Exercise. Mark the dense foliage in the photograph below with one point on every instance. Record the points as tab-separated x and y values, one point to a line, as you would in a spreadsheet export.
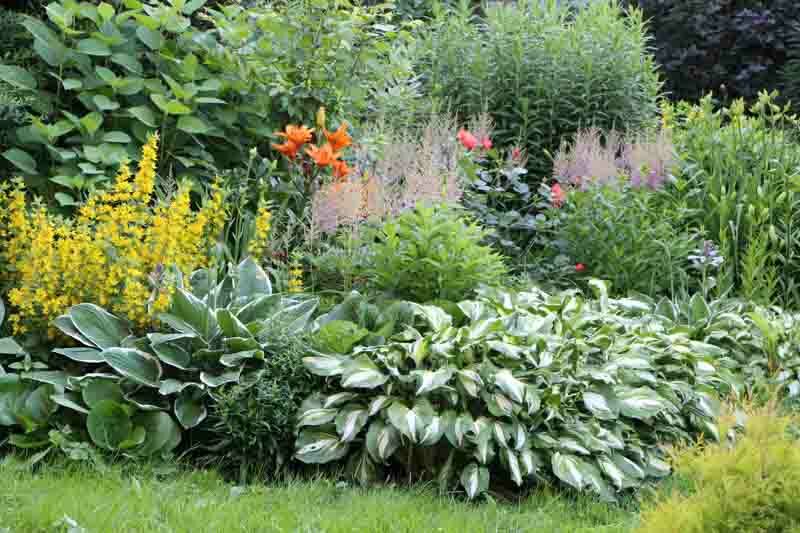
431	253
750	487
733	48
513	387
543	72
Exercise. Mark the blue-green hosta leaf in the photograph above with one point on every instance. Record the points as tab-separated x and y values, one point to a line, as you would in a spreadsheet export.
174	386
316	416
190	409
135	365
230	325
57	378
100	327
431	432
190	315
633	472
217	380
109	424
530	462
399	415
572	445
70	400
362	373
173	354
613	472
511	386
498	404
484	442
568	469
82	354
76	382
237	358
595	481
655	467
641	403
162	434
8	346
457	427
382	441
318	447
253	282
430	381
291	319
350	421
475	480
147	400
436	317
602	407
97	390
325	365
261	308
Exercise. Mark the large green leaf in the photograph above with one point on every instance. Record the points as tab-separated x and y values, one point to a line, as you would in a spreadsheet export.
641	403
339	336
21	159
604	407
568	469
109	424
188	314
18	77
190	408
253	282
430	381
8	346
82	354
382	441
350	421
98	390
361	373
162	434
191	124
475	480
135	365
318	447
511	386
103	329
173	354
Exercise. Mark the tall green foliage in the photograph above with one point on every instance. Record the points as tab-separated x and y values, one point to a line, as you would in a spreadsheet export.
740	183
543	71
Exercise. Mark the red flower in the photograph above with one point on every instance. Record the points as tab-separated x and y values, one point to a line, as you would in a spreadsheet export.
467	139
516	154
580	267
557	195
487	143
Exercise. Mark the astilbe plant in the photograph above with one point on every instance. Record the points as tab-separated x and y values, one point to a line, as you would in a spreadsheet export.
116	252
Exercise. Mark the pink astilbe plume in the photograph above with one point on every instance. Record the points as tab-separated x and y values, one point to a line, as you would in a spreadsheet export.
650	161
588	159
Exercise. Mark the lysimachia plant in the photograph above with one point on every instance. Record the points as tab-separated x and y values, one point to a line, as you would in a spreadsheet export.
516	387
137	393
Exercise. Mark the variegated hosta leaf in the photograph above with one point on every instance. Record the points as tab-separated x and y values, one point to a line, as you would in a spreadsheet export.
382	441
471	381
316	417
318	447
399	416
377	404
532	399
350	421
335	400
436	317
641	403
511	386
602	407
325	365
567	468
431	432
475	480
484	442
430	381
362	373
513	466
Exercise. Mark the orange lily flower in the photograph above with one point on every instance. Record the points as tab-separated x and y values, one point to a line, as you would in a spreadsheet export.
324	156
299	135
338	139
340	169
289	149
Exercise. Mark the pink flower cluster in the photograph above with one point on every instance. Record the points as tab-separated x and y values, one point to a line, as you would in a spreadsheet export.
470	142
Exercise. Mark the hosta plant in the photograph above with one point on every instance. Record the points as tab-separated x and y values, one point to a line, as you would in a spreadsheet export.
515	387
139	393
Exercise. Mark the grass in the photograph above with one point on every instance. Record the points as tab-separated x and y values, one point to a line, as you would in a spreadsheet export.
71	497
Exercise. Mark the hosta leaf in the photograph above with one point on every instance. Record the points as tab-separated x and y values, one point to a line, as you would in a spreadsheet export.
70	400
8	346
436	317
325	365
511	386
431	432
513	466
253	282
317	447
471	381
602	407
237	358
361	373
641	403
341	398
135	365
628	467
109	424
173	354
316	417
382	441
339	336
350	421
529	461
98	390
230	325
100	327
655	467
430	381
188	314
499	405
377	404
612	471
81	355
475	480
67	327
217	380
162	434
190	410
174	386
567	468
532	399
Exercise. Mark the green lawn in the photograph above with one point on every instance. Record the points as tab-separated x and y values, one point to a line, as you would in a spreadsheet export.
135	499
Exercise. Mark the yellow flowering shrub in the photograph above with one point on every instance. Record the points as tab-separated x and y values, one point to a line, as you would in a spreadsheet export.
115	253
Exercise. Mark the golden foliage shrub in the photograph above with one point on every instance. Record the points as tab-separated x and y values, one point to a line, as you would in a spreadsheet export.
753	486
116	253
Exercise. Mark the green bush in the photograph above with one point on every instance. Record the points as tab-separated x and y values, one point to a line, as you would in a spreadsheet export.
543	71
431	253
513	387
627	235
254	422
753	486
740	183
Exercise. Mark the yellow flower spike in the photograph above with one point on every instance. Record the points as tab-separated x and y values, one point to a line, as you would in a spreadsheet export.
259	242
321	118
